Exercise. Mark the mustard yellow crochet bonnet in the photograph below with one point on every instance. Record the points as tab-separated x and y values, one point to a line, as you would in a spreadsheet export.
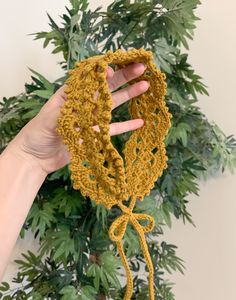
97	168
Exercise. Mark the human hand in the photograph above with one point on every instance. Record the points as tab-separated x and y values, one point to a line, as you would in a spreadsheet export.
38	142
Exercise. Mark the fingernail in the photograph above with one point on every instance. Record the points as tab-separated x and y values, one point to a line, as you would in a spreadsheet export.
140	121
140	64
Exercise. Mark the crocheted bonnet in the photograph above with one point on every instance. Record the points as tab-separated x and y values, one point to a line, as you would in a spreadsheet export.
97	169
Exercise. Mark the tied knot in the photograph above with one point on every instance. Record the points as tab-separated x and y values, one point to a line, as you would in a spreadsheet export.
116	233
118	227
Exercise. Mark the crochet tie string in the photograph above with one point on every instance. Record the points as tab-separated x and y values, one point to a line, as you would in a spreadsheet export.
118	227
116	233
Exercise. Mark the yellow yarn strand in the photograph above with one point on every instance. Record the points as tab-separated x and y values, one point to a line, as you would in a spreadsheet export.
119	225
97	169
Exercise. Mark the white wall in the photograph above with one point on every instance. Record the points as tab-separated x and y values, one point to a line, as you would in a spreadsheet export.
209	250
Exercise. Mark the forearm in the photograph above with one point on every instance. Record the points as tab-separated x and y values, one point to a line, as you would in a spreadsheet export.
20	181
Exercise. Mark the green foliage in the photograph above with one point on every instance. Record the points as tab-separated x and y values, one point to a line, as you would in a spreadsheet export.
180	132
168	259
76	259
73	39
105	271
41	218
70	292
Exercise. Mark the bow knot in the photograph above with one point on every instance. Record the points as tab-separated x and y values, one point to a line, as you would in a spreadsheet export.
116	233
118	227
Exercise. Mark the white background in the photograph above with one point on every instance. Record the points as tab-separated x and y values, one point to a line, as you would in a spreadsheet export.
209	250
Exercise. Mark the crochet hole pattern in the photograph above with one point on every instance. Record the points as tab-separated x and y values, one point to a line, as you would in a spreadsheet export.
97	169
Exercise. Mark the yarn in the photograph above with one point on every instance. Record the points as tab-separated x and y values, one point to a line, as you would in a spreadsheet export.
97	169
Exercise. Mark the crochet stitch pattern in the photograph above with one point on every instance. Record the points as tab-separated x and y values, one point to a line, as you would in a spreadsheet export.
97	169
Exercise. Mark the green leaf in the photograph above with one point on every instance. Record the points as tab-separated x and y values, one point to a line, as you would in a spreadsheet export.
67	202
165	210
69	292
4	286
36	296
87	293
48	85
63	173
43	93
41	217
165	55
8	297
179	132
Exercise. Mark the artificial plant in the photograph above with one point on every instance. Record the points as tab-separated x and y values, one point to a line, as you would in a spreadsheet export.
76	260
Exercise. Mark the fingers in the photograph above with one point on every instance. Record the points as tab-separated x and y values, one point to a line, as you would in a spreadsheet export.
61	92
129	92
114	79
121	127
126	74
110	73
57	100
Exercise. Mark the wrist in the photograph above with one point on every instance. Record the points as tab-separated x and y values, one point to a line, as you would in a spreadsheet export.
20	181
14	152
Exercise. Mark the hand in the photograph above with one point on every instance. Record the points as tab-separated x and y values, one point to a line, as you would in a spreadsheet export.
38	142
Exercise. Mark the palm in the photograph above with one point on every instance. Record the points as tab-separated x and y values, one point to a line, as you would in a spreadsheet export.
39	138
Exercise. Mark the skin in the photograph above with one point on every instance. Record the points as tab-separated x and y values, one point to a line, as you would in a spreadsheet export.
37	150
